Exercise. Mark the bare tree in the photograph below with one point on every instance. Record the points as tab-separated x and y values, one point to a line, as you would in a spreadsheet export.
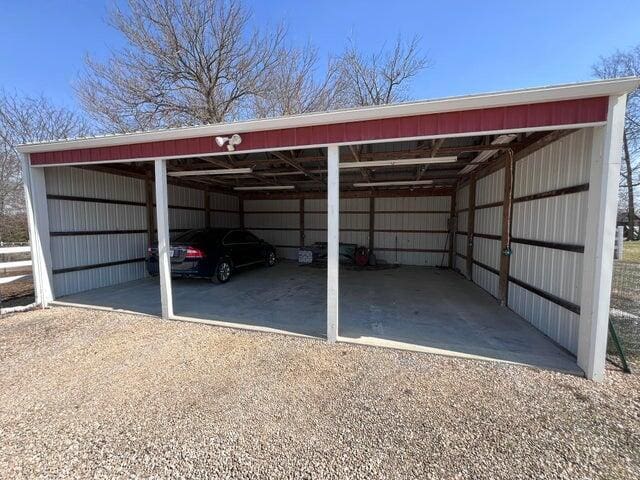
623	64
25	120
382	77
193	61
294	85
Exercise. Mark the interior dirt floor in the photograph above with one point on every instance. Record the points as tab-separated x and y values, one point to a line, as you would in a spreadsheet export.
412	308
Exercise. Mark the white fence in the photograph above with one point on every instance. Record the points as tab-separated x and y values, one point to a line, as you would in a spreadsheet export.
14	270
619	246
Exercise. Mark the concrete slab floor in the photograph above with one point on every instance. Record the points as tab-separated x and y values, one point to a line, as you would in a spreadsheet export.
414	308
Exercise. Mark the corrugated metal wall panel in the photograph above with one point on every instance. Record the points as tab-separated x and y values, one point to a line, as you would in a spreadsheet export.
554	271
461	244
395	204
411	221
78	216
488	221
74	216
272	220
426	259
225	220
185	197
461	266
224	202
487	251
486	280
561	164
279	238
395	228
80	250
73	282
405	240
462	198
271	205
87	183
490	189
185	219
463	221
558	219
553	320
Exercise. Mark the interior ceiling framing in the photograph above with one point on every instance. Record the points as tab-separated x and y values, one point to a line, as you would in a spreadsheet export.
305	169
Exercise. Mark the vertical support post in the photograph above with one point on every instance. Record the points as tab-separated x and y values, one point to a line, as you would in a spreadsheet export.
505	244
207	209
35	192
453	227
151	224
597	269
241	211
471	222
372	223
164	261
301	222
333	241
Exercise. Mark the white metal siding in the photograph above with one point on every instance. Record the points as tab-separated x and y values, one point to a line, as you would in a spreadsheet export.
488	221
185	218
79	216
462	202
225	210
490	189
88	183
486	280
402	224
561	164
559	219
277	222
354	220
70	251
462	198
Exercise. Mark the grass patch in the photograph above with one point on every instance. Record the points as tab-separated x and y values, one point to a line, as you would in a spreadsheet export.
625	299
631	252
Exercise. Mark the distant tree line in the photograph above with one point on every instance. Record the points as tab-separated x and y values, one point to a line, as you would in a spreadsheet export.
625	64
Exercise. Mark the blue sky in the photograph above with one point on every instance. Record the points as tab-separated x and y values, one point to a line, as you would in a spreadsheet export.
476	46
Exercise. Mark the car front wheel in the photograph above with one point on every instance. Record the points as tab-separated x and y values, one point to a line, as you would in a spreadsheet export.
223	272
271	258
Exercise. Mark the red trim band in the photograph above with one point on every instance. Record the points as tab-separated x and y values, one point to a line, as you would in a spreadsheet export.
567	112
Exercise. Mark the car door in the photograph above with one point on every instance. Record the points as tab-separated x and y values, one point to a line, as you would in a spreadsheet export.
238	248
253	247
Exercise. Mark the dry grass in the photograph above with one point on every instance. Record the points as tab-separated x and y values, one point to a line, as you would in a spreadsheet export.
631	252
101	395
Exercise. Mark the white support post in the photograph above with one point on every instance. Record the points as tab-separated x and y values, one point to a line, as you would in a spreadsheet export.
162	221
600	233
333	241
35	191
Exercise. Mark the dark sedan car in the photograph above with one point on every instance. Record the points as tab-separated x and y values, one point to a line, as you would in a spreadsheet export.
213	253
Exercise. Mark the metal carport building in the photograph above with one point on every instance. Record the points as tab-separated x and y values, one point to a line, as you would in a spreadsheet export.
517	191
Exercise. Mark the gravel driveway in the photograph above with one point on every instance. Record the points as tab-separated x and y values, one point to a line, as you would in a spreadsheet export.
102	395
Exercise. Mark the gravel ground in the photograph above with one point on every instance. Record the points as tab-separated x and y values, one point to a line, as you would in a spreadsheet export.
103	395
